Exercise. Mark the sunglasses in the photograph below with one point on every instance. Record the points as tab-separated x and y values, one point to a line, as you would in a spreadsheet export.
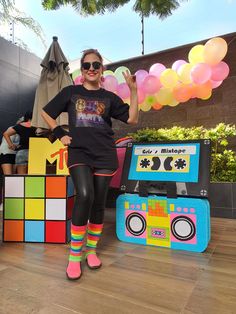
87	65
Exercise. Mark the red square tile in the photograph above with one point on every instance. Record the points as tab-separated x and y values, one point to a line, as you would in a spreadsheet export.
55	232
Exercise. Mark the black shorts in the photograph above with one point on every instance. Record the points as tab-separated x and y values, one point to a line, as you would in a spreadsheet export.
7	159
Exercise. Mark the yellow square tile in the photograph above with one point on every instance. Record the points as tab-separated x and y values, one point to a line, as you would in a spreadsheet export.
34	209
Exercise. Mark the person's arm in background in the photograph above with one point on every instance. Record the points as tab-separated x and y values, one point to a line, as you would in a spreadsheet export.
133	108
56	129
7	135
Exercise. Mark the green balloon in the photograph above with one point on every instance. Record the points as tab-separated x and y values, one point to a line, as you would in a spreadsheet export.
75	74
119	74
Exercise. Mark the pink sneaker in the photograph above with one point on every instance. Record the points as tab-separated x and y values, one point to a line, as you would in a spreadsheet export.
73	270
93	261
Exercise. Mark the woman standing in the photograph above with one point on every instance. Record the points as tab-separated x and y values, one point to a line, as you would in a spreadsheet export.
25	131
92	158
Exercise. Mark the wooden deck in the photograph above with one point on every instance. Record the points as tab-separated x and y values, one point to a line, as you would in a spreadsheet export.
134	278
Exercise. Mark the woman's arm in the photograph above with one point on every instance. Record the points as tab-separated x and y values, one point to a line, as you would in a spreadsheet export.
57	130
7	135
133	109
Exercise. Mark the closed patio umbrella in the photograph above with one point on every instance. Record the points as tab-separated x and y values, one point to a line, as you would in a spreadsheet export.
54	77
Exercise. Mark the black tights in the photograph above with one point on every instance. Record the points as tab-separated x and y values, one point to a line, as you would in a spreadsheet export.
91	192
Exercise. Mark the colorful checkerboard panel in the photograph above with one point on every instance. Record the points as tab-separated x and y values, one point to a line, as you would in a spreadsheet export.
37	208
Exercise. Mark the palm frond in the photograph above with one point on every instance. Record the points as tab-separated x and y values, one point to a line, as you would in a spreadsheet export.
9	13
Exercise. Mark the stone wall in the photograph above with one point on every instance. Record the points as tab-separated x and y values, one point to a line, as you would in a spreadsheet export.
221	107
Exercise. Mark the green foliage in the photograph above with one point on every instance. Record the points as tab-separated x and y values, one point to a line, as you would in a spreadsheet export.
223	161
161	8
10	14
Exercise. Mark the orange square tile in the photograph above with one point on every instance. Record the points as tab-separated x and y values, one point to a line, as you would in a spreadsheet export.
55	187
13	230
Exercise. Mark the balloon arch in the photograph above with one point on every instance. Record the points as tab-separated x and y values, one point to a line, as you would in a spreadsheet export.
161	86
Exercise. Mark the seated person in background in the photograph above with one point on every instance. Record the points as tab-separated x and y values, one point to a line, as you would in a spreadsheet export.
25	131
7	155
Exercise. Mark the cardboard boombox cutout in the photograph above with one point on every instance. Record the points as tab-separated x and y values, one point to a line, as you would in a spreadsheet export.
166	204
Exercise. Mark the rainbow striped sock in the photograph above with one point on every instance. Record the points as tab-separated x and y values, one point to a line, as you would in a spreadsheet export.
93	236
77	239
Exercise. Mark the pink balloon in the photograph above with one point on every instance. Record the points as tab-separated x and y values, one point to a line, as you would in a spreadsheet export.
215	84
110	83
123	90
200	73
141	95
156	69
140	76
177	64
77	80
151	84
219	71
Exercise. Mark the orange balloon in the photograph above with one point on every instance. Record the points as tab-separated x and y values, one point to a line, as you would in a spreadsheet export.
182	93
215	50
157	106
204	91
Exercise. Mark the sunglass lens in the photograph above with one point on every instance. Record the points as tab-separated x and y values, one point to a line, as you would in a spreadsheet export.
96	65
86	65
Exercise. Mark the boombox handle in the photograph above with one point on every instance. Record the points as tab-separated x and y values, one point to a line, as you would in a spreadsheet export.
170	188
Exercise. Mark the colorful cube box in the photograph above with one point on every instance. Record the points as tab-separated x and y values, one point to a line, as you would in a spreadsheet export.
37	208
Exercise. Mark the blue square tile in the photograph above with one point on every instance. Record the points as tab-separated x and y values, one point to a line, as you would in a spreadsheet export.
34	231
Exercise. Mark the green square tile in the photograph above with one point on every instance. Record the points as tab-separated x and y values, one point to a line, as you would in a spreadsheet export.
13	208
34	187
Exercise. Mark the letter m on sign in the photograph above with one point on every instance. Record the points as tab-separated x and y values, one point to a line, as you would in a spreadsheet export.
42	150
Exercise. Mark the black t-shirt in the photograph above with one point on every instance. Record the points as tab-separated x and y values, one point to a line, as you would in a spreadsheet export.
90	125
25	134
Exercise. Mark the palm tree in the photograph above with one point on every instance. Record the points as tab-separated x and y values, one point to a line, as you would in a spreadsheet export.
161	8
11	15
145	8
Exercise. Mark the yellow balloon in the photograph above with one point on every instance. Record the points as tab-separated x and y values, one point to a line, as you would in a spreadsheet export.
196	54
215	50
108	72
145	106
184	73
127	101
164	96
173	103
169	78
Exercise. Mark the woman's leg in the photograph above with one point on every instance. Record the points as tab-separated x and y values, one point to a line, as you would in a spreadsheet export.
95	225
21	169
82	177
7	169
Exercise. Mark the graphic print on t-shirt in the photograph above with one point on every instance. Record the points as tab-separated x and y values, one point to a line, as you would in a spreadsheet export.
89	113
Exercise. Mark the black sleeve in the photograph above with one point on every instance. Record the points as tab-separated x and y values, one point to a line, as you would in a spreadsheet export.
17	128
119	109
59	103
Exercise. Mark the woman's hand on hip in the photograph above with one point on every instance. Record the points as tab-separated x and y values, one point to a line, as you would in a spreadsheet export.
66	140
